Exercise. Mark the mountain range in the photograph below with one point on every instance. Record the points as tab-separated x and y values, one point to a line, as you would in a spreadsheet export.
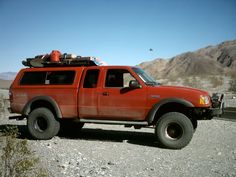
211	60
8	75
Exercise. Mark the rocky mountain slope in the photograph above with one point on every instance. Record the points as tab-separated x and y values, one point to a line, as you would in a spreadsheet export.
211	60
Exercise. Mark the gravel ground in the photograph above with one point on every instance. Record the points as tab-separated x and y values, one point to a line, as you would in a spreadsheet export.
106	150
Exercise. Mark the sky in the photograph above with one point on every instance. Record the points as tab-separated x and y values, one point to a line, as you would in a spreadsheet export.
120	32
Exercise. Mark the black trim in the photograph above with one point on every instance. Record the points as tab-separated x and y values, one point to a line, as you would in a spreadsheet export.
114	122
208	113
152	113
27	108
21	117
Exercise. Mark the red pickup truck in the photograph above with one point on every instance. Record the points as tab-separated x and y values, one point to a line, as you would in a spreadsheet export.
122	95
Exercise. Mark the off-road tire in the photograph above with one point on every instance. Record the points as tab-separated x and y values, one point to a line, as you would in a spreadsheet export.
42	124
174	130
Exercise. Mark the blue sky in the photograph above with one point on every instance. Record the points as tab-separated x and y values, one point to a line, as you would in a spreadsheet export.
120	32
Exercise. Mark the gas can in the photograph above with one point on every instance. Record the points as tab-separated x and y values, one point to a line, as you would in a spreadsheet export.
55	56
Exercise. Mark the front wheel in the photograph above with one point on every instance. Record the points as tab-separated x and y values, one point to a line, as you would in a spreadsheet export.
174	130
42	124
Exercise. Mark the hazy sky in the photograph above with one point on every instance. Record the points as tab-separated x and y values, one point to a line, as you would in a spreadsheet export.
121	32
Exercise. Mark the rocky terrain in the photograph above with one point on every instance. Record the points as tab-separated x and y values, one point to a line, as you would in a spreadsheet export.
107	150
211	60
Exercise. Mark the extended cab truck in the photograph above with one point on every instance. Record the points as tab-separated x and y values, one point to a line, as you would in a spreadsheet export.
121	95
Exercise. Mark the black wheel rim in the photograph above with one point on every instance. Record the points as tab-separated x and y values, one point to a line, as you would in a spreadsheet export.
40	124
173	131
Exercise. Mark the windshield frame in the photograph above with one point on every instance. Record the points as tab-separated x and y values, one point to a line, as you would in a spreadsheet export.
145	77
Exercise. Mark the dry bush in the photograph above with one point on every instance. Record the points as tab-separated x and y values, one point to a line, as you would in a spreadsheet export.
172	78
216	81
232	87
17	159
191	81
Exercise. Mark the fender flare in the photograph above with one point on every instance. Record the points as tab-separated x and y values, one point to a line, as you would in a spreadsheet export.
27	107
155	108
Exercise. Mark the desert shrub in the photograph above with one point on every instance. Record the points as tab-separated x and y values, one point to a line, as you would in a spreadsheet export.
232	87
187	81
17	159
172	78
232	83
191	81
216	81
1	104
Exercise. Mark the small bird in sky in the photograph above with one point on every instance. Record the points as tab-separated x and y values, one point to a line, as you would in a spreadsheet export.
150	49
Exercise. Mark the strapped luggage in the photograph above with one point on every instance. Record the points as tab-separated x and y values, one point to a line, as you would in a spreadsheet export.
56	59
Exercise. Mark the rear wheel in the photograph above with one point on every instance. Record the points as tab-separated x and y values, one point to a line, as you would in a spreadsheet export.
174	130
42	124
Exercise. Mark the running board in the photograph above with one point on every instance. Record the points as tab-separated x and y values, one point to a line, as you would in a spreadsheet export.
141	123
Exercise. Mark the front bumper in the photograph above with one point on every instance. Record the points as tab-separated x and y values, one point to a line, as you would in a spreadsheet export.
216	110
217	100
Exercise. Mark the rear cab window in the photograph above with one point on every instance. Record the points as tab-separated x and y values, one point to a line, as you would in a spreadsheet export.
48	78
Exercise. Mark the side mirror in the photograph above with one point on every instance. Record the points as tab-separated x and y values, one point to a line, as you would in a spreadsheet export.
133	84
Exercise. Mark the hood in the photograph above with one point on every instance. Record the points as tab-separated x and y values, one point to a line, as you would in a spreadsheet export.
189	94
184	89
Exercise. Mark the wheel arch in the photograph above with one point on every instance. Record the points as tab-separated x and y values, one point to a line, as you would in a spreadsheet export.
168	105
42	101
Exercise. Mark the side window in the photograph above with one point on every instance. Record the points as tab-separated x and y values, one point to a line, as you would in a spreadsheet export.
91	78
118	78
33	78
60	77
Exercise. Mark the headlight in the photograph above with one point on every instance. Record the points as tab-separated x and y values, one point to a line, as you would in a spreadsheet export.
204	99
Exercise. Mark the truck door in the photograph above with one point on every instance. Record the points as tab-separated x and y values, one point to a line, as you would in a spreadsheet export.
117	101
88	96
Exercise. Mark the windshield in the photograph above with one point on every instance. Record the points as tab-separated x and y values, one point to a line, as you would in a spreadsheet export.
145	77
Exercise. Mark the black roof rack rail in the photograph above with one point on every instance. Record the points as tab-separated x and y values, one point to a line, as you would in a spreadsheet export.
40	61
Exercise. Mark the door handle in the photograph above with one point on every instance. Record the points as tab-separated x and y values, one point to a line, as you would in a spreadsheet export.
105	93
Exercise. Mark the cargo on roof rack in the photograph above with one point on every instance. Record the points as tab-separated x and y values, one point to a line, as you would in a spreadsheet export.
56	59
80	61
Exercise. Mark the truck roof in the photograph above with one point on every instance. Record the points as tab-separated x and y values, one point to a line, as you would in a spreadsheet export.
74	67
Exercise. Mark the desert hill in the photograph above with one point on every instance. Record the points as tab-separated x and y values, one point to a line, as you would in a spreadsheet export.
211	60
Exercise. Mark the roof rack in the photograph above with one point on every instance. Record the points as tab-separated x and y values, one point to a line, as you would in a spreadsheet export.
60	60
39	63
